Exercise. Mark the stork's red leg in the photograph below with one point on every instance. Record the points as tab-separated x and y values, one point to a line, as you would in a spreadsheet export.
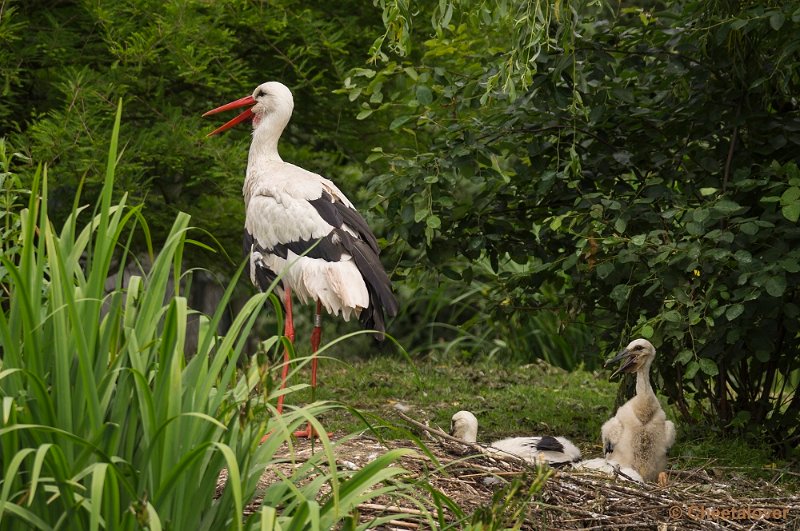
288	331
316	338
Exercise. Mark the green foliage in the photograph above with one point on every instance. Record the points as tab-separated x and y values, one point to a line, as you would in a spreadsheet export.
630	170
64	65
457	319
104	422
571	173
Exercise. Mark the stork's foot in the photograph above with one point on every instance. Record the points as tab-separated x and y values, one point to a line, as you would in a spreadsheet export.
662	479
309	433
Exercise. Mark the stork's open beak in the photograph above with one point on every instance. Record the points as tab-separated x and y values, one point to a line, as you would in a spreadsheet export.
246	115
627	365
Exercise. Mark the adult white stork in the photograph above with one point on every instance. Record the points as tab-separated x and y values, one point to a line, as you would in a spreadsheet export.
301	227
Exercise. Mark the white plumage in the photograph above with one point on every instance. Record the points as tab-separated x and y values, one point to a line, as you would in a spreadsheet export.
545	449
639	435
464	426
298	224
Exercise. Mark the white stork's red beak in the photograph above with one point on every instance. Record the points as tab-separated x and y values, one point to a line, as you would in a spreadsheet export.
246	115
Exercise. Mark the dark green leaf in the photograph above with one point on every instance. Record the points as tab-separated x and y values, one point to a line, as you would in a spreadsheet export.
684	357
734	311
424	95
791	212
776	20
776	286
708	366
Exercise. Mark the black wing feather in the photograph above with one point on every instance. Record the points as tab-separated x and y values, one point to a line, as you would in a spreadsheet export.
262	275
325	249
364	250
327	210
378	285
549	444
336	214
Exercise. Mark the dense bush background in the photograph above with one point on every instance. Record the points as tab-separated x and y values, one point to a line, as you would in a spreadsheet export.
64	64
551	177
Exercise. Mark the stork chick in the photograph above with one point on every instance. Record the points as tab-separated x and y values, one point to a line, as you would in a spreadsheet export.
554	451
639	435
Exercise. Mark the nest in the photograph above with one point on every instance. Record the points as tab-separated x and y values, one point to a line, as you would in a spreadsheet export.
510	492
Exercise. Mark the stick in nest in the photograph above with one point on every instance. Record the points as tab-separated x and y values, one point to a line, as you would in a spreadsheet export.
438	432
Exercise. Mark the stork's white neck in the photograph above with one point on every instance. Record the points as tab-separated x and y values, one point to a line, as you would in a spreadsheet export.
267	130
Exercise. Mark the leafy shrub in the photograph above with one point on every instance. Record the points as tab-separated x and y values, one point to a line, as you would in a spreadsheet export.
638	166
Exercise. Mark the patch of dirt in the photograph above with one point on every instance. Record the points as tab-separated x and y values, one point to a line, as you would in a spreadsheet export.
569	499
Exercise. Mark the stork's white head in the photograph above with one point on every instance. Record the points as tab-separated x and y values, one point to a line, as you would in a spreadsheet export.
272	99
271	103
637	356
464	426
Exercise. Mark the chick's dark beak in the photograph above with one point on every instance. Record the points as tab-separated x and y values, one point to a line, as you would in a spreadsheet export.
628	363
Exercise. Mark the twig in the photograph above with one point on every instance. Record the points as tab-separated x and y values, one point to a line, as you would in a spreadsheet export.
729	159
496	454
390	508
575	510
438	432
402	523
493	473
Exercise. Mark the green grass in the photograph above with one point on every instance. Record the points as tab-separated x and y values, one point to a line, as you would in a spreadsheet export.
506	399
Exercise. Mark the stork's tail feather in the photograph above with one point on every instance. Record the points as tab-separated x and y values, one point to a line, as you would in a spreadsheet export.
382	301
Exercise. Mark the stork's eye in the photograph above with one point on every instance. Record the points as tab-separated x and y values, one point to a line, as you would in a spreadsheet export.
260	93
